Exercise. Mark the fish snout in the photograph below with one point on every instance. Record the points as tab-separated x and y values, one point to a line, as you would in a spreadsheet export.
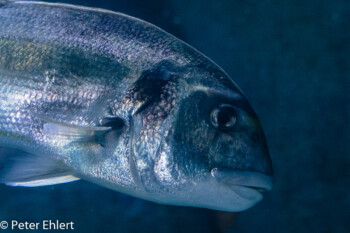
258	156
240	190
243	149
252	180
249	171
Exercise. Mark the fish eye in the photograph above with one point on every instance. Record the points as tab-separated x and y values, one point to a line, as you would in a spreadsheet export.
223	117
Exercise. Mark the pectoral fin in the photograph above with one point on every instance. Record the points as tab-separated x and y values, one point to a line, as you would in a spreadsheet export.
74	133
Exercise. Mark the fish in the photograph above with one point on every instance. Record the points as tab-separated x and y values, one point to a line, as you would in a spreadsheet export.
93	94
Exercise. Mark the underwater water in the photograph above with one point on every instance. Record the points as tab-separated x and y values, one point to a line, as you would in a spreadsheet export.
290	58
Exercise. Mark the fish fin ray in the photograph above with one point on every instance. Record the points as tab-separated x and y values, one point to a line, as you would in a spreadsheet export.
45	182
73	133
20	168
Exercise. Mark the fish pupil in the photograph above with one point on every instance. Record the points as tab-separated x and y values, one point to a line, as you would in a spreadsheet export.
224	117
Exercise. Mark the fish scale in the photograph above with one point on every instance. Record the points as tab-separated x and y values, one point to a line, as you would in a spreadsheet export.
97	95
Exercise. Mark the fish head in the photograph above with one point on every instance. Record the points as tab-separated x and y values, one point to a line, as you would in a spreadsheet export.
208	150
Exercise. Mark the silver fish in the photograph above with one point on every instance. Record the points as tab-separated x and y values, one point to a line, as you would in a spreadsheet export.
92	94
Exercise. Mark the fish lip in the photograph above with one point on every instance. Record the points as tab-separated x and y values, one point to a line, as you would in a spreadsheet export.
247	179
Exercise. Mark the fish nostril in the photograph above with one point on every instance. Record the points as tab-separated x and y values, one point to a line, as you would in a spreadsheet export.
256	137
213	171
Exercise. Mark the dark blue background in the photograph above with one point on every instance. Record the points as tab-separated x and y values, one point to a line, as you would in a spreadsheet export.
291	58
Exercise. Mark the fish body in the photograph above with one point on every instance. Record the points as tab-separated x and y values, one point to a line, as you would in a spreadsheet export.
97	95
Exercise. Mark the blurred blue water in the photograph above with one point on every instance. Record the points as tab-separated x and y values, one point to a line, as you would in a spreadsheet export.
291	60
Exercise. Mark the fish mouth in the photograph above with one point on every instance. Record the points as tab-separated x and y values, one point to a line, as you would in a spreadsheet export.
254	181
